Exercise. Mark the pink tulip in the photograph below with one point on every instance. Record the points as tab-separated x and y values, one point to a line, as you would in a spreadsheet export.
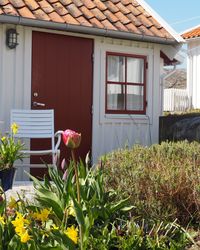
71	139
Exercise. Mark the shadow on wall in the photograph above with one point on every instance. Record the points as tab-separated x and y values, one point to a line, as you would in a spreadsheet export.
179	127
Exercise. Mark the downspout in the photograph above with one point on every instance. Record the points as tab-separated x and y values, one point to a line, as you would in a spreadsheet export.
17	20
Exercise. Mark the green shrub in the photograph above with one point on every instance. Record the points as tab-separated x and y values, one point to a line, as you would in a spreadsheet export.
163	181
135	235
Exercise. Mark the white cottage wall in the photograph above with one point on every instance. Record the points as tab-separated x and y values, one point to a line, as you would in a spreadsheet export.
109	131
193	75
15	74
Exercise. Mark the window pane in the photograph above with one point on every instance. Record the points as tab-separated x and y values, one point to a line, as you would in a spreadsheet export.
135	98
116	68
135	70
115	97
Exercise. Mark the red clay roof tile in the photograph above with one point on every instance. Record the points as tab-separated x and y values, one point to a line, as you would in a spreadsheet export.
145	21
66	2
121	15
51	1
111	6
100	5
17	3
89	4
122	8
108	25
195	32
78	3
145	31
133	10
26	12
134	20
156	32
122	18
111	17
9	10
126	2
83	21
4	2
114	1
70	19
96	23
86	12
32	4
73	10
45	6
131	27
60	9
155	23
98	14
56	18
120	26
40	14
135	3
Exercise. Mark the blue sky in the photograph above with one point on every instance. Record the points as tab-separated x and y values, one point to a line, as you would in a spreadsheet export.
180	14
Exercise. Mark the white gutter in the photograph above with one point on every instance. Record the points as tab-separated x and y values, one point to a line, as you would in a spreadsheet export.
160	20
17	20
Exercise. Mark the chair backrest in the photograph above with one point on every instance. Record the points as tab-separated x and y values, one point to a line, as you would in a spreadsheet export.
34	123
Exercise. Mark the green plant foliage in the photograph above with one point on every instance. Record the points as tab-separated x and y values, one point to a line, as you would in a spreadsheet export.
188	112
136	235
162	181
97	206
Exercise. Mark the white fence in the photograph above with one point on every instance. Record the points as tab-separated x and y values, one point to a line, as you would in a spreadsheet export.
176	100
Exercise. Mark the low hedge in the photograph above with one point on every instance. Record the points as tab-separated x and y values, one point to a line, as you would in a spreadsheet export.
163	181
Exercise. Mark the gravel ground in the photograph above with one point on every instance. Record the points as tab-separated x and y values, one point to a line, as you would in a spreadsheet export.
23	188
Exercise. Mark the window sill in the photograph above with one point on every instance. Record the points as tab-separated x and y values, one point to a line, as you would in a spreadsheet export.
134	117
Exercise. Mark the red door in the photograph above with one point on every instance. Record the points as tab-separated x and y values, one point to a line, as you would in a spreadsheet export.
62	79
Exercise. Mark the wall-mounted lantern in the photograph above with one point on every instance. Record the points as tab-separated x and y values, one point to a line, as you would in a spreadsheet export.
11	38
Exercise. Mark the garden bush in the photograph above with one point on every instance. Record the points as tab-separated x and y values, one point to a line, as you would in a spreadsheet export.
163	181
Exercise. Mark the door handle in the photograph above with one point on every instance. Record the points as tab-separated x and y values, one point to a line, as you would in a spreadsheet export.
38	104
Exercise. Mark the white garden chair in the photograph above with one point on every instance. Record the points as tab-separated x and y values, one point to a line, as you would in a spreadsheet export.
37	124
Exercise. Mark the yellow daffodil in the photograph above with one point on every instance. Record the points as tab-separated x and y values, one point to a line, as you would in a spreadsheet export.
20	220
72	233
54	227
20	230
12	203
25	237
2	220
43	215
71	210
3	138
20	224
14	128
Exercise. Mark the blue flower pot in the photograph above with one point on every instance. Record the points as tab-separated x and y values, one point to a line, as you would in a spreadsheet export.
6	178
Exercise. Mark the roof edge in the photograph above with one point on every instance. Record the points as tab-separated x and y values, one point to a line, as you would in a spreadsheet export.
18	20
148	8
190	29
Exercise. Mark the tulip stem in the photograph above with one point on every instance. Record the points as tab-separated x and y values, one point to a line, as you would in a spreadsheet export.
78	192
76	175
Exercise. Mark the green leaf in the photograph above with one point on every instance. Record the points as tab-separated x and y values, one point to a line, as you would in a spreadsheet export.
118	206
49	199
79	214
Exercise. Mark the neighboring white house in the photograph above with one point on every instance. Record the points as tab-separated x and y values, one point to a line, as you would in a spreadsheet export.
176	96
96	63
192	37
